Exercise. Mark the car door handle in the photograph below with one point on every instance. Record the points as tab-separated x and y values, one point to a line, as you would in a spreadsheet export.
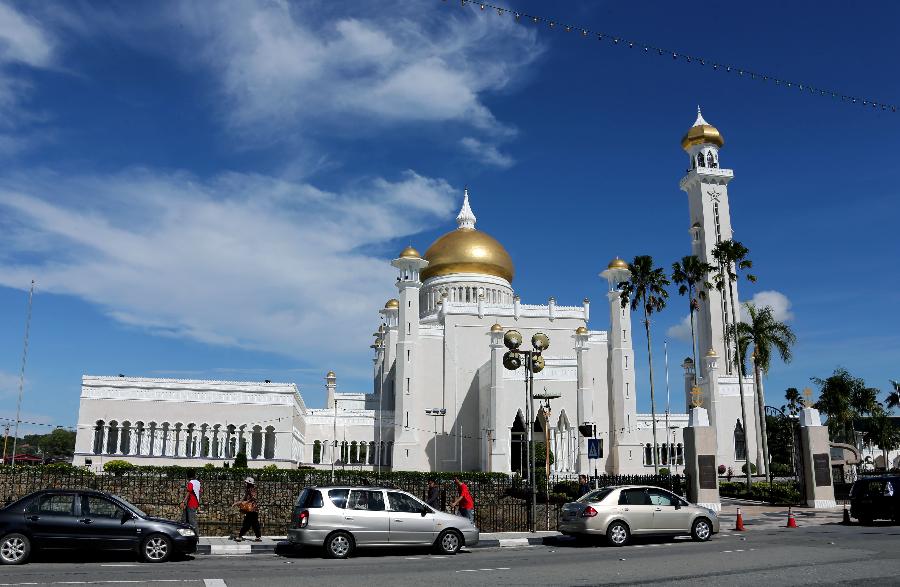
347	518
658	509
399	521
86	521
34	518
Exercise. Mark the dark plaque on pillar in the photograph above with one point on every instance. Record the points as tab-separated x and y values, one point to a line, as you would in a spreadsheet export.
706	465
822	469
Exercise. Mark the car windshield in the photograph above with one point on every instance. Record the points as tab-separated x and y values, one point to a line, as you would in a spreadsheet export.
595	495
132	507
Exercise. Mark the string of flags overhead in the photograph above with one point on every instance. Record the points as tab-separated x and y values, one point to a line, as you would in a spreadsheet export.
678	56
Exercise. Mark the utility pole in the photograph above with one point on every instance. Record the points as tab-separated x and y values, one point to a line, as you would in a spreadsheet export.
22	373
5	440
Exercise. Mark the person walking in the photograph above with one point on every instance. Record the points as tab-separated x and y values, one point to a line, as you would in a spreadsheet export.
192	504
583	486
464	503
250	508
434	495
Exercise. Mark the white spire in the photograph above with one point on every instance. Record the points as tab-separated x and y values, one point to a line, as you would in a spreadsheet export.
699	120
465	218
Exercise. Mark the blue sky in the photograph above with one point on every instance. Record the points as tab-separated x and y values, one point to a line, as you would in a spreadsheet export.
213	190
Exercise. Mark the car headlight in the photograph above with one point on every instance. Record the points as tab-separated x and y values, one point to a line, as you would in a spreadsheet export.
186	532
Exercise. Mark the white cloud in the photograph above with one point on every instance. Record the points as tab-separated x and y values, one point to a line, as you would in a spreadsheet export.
243	260
486	153
682	330
780	304
281	63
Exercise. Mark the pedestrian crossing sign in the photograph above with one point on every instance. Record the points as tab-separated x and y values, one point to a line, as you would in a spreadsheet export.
595	449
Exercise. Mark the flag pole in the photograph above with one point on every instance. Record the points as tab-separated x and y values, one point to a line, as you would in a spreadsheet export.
22	373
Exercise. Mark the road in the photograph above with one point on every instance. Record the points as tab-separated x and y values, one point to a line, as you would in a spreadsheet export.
826	554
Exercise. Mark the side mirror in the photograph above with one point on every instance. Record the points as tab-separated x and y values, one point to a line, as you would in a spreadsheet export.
677	505
424	511
127	517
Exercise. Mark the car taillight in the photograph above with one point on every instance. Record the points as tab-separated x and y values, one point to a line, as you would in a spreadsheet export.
588	512
301	519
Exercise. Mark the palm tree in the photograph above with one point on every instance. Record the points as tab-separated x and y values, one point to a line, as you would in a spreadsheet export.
893	398
765	333
692	275
731	257
646	288
794	400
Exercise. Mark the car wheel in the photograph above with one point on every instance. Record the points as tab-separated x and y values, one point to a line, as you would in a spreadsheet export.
156	548
701	530
449	542
14	549
618	534
339	545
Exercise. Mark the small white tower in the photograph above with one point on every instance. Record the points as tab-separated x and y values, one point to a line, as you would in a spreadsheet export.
410	264
330	387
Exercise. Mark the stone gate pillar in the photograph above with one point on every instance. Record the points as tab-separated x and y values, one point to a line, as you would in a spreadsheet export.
816	456
700	461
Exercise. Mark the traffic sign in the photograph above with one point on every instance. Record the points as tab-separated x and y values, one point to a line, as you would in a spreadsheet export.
595	449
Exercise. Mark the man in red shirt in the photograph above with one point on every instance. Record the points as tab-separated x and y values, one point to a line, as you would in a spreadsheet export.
464	502
192	504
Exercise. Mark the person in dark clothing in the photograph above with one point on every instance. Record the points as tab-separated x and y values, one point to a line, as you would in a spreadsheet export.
583	486
434	495
250	508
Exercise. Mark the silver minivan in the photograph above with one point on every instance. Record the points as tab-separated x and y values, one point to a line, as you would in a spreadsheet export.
341	519
620	512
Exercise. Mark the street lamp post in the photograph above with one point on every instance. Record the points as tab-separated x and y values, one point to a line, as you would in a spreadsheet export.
545	416
534	363
436	413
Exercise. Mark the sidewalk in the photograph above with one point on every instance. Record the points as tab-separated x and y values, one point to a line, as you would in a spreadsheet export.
763	516
269	544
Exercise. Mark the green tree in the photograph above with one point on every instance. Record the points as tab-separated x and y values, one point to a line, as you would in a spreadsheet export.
844	399
58	444
692	277
766	334
883	433
893	398
794	400
240	460
731	257
646	288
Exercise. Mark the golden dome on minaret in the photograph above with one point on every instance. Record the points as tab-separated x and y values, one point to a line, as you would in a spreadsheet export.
617	263
392	303
410	253
496	328
702	132
581	330
467	250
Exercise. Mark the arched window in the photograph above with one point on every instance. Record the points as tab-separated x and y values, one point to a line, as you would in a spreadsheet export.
679	454
269	452
98	437
164	439
371	459
700	160
242	440
354	454
178	449
345	452
216	442
382	459
389	459
125	438
710	160
740	447
152	445
317	452
204	441
112	437
361	456
190	442
230	442
648	454
256	442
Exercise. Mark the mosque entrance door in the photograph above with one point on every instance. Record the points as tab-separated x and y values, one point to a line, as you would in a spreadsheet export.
518	448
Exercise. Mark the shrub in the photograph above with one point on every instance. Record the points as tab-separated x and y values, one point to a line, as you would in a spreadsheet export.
208	466
117	467
752	468
721	469
240	461
784	492
664	472
781	469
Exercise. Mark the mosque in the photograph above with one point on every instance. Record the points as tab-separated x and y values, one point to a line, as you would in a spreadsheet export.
442	398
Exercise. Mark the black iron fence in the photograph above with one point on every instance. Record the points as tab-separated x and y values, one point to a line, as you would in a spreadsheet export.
502	503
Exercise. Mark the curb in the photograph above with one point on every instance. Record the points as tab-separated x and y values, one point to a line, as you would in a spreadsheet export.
272	548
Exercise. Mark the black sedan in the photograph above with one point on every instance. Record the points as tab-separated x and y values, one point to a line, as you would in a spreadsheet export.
57	518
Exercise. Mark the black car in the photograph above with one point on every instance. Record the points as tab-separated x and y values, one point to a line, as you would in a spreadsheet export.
875	498
58	518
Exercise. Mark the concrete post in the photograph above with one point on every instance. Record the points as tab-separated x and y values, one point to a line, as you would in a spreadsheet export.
816	456
700	461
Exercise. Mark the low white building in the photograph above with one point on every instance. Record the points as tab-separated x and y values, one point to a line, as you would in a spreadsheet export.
149	421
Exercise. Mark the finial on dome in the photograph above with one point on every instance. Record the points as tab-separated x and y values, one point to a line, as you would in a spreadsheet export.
699	120
465	220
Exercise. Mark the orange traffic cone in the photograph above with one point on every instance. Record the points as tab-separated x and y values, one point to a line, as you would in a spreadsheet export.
739	523
792	523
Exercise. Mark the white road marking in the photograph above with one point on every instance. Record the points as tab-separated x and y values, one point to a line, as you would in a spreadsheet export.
105	582
214	583
120	565
413	558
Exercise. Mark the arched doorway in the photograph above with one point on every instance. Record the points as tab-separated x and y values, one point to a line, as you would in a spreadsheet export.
518	440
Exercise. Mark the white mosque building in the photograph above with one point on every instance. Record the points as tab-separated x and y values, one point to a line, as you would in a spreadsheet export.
442	399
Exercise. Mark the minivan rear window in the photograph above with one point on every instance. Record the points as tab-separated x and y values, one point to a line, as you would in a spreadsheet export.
338	497
310	498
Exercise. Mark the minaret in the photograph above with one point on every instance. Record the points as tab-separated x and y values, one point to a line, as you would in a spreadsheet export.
706	184
623	451
583	405
330	387
410	264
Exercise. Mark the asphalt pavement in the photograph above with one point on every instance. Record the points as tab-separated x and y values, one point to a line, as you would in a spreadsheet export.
821	554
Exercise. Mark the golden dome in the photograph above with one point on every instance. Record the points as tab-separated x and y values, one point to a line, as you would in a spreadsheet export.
712	353
392	303
410	253
617	263
330	375
467	250
581	330
496	328
702	132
